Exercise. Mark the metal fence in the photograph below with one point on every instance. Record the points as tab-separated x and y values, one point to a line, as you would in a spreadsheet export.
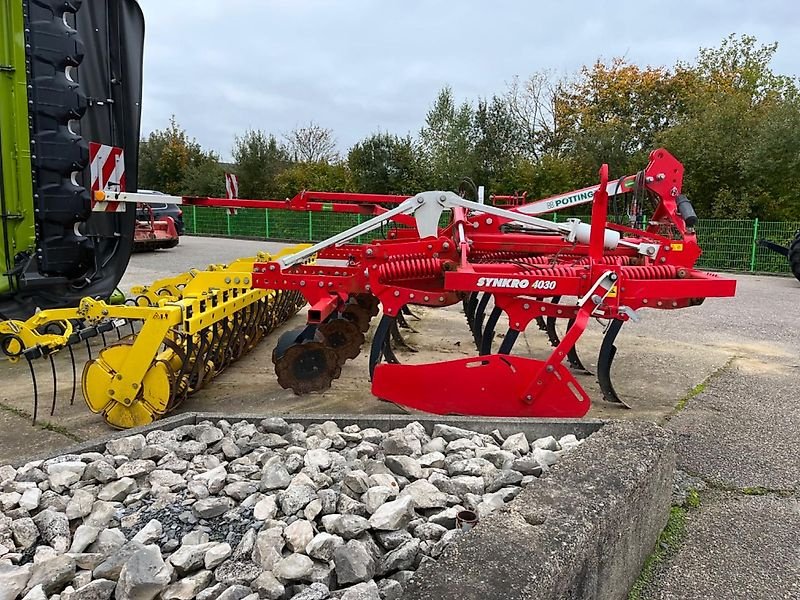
728	245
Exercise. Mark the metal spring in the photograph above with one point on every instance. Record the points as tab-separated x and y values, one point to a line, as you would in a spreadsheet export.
654	272
410	268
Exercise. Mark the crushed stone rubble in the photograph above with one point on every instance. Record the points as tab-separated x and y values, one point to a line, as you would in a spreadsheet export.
233	511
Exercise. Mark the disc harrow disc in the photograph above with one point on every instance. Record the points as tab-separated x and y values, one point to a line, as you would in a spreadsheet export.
308	367
359	315
344	337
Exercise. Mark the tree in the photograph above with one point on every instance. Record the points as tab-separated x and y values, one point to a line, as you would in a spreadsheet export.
498	140
312	143
318	176
259	159
446	142
384	164
165	157
206	178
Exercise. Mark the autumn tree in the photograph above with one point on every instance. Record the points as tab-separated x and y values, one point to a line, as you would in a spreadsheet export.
312	143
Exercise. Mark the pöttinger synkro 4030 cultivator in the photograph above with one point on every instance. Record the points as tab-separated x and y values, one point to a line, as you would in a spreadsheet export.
524	264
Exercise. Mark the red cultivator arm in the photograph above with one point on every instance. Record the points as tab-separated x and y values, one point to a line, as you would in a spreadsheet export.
519	264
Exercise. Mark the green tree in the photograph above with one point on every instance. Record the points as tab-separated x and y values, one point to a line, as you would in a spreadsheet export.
165	156
498	140
446	142
384	164
259	160
317	176
205	178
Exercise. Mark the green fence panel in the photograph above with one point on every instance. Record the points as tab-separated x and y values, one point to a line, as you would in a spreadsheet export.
781	232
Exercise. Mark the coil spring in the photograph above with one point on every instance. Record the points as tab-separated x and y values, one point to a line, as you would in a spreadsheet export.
654	272
410	268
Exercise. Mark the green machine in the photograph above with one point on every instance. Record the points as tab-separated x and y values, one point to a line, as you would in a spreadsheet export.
70	74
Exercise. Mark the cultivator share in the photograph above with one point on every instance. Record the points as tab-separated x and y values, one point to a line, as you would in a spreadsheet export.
494	261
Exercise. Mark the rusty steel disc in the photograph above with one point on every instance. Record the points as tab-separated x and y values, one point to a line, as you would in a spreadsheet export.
308	367
368	301
358	315
344	337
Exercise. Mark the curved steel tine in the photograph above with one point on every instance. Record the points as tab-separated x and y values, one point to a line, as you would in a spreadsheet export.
103	337
88	348
508	341
55	384
133	331
74	375
379	342
407	311
604	360
397	337
550	326
388	351
540	322
488	333
119	335
470	305
572	356
35	390
477	323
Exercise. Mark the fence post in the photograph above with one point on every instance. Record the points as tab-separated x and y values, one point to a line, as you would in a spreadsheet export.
194	220
310	231
358	216
753	250
266	221
228	221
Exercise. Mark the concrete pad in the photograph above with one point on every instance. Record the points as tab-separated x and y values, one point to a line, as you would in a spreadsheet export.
21	439
736	547
744	429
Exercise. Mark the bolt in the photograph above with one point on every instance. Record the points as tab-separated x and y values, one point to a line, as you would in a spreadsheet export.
526	306
442	197
110	392
420	199
645	301
543	309
516	325
674	304
227	280
135	386
272	267
430	246
427	298
247	281
549	368
321	284
489	221
445	246
528	397
370	252
237	281
396	293
119	376
411	296
441	298
302	284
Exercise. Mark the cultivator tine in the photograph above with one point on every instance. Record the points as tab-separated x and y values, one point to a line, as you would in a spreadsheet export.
470	306
407	311
88	348
55	384
572	356
550	326
74	374
35	389
397	337
604	361
540	322
487	338
388	352
379	341
401	322
477	322
508	341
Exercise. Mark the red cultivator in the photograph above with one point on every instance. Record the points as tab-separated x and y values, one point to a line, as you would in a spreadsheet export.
506	258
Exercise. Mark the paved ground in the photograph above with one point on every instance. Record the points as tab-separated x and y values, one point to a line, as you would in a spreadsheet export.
741	436
739	360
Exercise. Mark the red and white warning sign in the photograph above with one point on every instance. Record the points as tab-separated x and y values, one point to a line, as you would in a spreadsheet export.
231	189
107	168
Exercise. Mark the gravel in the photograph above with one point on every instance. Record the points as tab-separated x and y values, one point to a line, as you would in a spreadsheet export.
227	511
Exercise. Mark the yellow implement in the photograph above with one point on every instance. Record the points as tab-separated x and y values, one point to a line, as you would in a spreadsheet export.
192	327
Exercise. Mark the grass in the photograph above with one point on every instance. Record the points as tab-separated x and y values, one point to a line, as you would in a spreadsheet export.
668	543
699	388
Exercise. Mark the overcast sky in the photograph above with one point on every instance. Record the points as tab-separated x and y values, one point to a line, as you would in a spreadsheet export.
360	66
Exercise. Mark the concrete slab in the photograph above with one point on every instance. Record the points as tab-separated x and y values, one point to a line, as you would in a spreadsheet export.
737	547
743	431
